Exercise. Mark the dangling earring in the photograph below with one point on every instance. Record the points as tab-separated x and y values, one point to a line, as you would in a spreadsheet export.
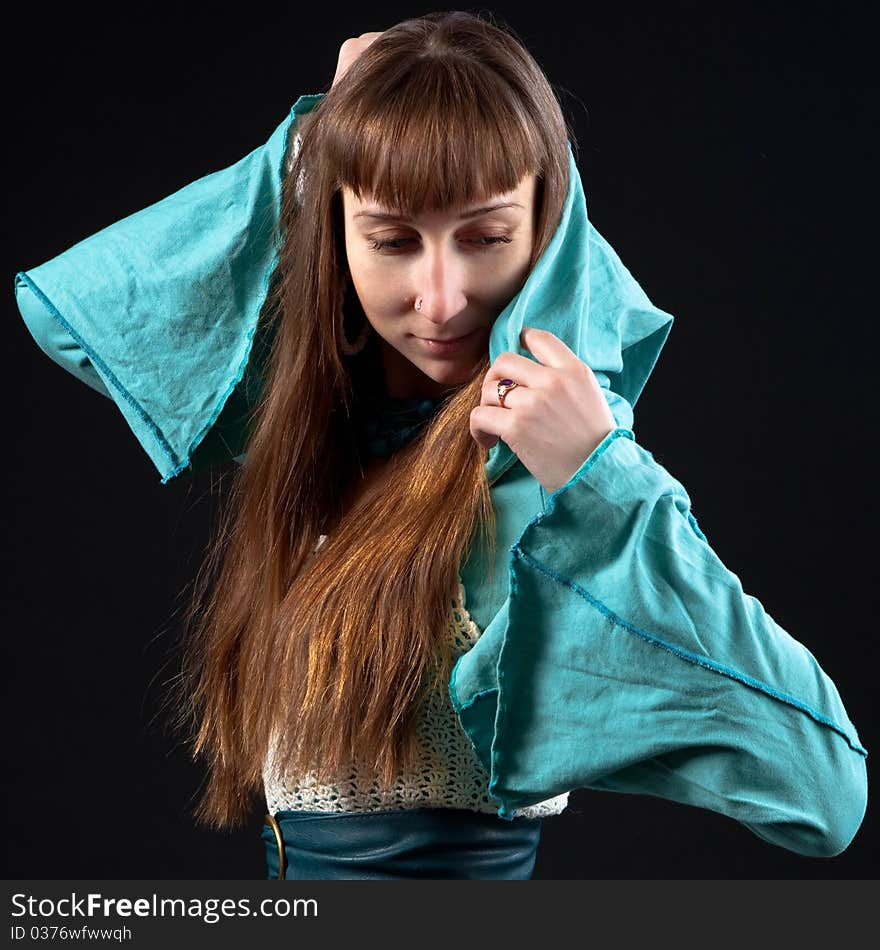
352	349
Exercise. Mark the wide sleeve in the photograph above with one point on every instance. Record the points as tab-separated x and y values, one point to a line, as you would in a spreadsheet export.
160	310
632	660
226	437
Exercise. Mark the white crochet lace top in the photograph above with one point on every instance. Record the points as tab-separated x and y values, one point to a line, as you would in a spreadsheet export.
448	773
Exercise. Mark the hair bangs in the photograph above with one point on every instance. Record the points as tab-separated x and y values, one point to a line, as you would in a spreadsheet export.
434	146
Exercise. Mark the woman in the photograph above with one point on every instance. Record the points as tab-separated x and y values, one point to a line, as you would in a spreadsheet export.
414	647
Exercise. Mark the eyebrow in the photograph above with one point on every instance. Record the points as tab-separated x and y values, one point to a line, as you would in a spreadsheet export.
473	213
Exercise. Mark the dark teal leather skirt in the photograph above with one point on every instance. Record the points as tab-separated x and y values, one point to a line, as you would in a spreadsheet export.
428	843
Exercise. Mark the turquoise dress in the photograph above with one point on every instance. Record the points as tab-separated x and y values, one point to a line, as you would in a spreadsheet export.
618	653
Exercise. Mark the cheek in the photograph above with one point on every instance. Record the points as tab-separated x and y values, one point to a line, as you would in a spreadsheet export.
383	282
377	291
507	279
364	278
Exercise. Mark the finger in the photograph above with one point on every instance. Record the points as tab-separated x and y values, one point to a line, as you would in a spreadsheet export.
521	369
488	424
547	347
549	351
489	394
512	397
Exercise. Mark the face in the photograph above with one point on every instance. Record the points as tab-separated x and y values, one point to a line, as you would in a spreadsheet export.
466	265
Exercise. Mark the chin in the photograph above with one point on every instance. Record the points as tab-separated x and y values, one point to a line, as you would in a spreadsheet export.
449	372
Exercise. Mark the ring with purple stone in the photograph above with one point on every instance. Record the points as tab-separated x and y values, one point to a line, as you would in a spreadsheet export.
504	387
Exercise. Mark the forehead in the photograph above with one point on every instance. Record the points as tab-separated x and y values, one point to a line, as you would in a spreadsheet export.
369	209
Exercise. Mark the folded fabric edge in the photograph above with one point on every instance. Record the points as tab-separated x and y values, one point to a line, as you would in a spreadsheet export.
237	378
474	706
304	103
168	454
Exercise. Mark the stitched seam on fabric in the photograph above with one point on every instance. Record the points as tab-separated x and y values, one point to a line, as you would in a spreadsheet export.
593	458
687	655
457	705
504	811
617	433
249	340
310	101
173	458
196	441
458	708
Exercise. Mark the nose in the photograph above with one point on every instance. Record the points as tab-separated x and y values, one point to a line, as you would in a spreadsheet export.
440	282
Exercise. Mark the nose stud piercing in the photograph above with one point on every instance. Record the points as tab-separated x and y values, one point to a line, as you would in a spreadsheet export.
419	304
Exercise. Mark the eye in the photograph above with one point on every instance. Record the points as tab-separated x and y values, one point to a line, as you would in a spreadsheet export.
494	239
391	244
394	244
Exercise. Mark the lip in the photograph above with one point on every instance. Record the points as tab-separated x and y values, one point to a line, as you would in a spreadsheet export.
446	346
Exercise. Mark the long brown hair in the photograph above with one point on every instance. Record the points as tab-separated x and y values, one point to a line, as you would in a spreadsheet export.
326	656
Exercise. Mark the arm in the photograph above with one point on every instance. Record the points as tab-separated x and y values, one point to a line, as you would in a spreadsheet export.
640	665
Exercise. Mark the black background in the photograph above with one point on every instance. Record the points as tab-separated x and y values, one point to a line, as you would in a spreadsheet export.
728	153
